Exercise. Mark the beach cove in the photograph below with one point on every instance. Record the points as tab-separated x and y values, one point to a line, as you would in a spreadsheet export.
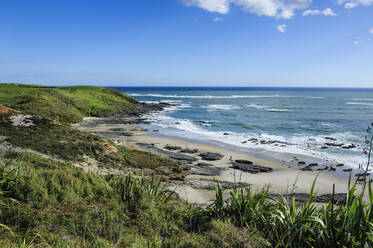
198	186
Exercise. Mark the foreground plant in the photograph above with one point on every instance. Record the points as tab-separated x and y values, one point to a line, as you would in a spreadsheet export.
286	223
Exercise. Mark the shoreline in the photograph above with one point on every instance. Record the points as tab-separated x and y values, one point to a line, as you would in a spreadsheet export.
197	187
290	159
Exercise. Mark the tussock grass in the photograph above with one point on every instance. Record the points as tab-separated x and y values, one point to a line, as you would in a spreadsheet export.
286	223
59	205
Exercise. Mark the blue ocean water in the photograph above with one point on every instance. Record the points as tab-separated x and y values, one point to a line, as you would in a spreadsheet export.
282	120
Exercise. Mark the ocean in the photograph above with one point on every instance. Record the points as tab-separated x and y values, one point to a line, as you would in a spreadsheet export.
274	123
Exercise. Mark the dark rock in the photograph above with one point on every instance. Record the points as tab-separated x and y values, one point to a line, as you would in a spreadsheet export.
242	161
350	146
251	168
347	170
206	170
127	134
332	169
307	168
313	164
172	155
334	144
226	133
203	164
244	142
118	129
301	197
340	165
155	130
325	168
209	156
173	148
330	138
324	147
210	185
301	163
182	157
362	174
338	198
190	151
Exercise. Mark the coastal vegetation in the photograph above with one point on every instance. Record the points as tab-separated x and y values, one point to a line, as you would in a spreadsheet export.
65	104
46	200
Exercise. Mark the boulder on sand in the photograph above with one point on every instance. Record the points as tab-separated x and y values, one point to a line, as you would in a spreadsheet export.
173	148
210	156
251	168
190	151
242	161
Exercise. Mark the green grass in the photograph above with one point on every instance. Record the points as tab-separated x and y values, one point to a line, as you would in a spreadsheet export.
65	104
59	205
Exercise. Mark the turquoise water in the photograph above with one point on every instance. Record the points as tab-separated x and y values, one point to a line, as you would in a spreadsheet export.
284	120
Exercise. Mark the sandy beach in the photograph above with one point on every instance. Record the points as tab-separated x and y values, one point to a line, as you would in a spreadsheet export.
283	179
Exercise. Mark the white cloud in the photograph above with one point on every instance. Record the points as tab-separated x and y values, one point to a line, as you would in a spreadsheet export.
217	19
273	8
282	28
349	4
218	6
371	31
325	12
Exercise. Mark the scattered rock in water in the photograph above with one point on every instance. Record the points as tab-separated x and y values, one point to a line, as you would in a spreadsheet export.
267	142
210	156
334	144
190	151
244	142
347	170
324	147
332	169
301	163
251	168
350	146
155	130
322	169
172	148
340	165
226	133
330	138
313	164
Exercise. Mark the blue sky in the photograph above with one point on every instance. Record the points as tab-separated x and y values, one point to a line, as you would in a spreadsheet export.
187	42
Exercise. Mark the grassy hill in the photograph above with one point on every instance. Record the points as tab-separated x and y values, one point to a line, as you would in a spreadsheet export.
51	111
65	104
